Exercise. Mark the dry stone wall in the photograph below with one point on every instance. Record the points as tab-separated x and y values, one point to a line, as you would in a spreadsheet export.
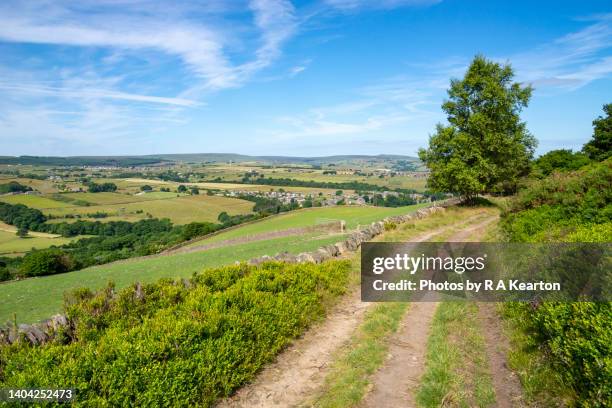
59	326
352	242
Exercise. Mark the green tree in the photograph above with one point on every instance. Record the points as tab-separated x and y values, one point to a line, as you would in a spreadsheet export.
485	147
5	274
600	146
562	159
22	232
46	262
195	191
181	189
146	187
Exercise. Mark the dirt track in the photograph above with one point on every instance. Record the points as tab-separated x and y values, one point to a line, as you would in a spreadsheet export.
394	385
508	390
300	370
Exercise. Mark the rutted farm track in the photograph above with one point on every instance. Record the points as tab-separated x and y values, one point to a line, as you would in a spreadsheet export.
300	371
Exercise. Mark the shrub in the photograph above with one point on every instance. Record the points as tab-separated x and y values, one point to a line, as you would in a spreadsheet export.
45	262
5	274
389	225
169	342
13	187
577	337
99	188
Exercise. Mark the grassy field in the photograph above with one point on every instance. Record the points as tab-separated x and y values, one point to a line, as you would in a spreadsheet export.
352	215
44	186
38	298
34	299
11	244
181	210
117	198
34	201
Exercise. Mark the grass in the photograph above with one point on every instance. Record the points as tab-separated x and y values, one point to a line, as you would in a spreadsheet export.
38	298
34	201
44	186
542	383
35	299
181	210
352	215
117	198
235	173
348	380
456	372
11	244
132	182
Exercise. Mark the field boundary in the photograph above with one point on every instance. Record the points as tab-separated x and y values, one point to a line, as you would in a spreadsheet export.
39	333
329	228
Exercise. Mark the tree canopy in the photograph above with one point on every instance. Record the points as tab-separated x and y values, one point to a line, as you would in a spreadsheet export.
485	147
600	146
562	159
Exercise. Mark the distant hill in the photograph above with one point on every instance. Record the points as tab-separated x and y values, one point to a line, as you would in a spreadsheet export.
125	161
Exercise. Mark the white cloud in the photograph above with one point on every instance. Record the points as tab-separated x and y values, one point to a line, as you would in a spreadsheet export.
218	44
374	108
200	46
351	5
92	93
570	61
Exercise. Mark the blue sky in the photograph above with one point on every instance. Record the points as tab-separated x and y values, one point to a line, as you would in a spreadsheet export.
320	77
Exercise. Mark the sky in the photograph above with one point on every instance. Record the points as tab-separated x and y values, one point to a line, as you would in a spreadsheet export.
281	77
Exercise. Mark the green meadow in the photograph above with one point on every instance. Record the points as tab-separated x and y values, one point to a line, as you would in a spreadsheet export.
352	215
37	298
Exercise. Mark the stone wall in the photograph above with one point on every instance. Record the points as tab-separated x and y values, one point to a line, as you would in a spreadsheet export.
59	326
352	242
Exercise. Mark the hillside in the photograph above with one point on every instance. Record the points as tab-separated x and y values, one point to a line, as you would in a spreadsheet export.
158	159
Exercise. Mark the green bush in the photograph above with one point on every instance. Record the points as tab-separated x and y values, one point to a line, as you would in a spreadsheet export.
5	274
45	262
576	337
550	208
177	343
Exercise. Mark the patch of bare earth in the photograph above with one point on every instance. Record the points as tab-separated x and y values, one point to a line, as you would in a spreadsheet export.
508	390
300	370
395	383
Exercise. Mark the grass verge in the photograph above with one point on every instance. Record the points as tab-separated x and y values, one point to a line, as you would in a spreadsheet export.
542	383
456	372
347	382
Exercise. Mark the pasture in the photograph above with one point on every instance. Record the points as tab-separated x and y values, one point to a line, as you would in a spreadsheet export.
38	298
12	245
180	210
34	201
232	173
44	186
352	215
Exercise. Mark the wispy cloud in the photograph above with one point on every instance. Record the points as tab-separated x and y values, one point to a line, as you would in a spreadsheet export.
570	61
215	44
200	46
353	5
388	103
80	93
